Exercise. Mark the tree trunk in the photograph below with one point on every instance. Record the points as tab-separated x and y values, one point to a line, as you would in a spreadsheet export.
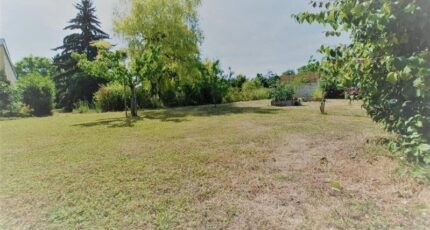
133	101
322	107
125	100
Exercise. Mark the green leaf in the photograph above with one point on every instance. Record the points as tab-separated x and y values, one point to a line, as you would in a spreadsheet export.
418	83
424	148
427	159
392	77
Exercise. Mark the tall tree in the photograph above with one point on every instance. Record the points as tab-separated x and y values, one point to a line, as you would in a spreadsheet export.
73	85
171	25
130	70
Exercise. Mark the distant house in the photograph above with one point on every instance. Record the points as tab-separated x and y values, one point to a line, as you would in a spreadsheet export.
306	84
6	67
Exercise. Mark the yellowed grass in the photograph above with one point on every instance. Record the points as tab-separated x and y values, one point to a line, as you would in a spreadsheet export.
239	166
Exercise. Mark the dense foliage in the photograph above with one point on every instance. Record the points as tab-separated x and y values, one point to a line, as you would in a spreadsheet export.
172	27
35	65
388	59
38	93
6	99
73	85
111	97
283	92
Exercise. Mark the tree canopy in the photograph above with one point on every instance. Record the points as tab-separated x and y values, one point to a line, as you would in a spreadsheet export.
35	65
388	59
71	84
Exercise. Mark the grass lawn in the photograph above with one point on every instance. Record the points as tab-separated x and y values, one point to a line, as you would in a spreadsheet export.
239	166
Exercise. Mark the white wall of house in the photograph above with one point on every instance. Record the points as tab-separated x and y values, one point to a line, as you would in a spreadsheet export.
305	91
6	65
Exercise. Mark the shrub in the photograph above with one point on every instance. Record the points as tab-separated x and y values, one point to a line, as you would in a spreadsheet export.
233	95
111	97
256	94
252	90
38	93
283	92
5	95
317	94
82	107
252	85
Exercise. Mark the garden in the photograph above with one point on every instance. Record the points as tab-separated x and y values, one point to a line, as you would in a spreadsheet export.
150	135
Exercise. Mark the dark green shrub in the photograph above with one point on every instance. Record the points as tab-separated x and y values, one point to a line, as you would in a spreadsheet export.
283	92
5	95
110	98
38	93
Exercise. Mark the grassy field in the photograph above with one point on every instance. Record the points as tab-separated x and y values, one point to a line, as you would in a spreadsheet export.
239	166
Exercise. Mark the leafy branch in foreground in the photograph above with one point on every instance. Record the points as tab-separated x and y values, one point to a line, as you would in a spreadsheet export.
388	59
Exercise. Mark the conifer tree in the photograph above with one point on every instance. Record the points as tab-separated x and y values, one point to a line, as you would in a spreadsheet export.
72	84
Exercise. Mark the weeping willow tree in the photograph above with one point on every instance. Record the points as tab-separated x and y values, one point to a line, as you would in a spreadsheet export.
171	25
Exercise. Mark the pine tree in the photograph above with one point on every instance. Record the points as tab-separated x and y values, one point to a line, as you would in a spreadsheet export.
72	84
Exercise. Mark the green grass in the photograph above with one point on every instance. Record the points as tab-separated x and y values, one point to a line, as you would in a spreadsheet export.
193	167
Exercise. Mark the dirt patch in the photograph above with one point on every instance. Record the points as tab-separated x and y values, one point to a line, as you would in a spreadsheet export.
327	182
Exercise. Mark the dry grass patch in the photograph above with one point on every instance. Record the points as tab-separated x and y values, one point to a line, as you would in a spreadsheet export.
239	166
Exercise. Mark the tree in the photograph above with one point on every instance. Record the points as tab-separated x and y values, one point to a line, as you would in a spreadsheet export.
171	25
272	79
73	85
388	59
238	81
38	92
289	72
216	81
35	65
119	65
313	66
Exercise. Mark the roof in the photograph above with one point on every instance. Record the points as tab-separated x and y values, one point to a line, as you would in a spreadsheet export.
308	77
3	44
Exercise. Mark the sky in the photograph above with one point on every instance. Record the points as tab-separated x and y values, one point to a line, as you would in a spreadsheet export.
250	36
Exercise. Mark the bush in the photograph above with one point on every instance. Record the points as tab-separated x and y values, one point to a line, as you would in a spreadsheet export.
251	90
317	94
82	107
111	97
283	92
38	93
256	94
233	95
5	96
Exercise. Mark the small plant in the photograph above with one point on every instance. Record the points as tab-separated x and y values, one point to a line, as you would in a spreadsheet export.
82	107
283	92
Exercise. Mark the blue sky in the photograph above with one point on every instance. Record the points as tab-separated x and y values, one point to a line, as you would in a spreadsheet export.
251	36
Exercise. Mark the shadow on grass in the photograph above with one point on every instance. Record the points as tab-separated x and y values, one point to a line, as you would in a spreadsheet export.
180	115
120	122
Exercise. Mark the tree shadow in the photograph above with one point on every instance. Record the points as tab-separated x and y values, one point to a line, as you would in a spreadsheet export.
121	122
178	115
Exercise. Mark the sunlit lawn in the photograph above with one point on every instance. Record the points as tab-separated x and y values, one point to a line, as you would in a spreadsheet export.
245	165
